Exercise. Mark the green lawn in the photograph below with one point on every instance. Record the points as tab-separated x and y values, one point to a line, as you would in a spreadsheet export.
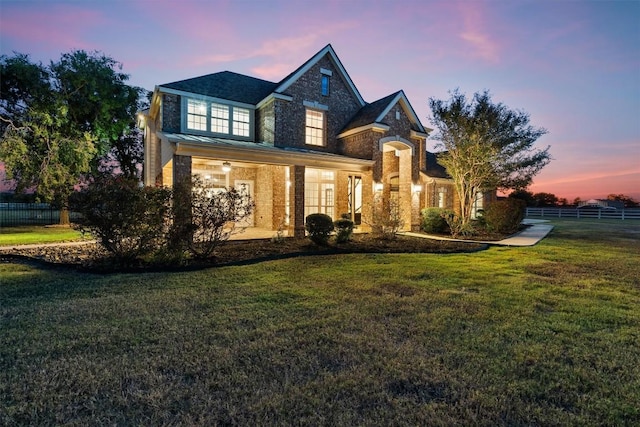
546	335
31	234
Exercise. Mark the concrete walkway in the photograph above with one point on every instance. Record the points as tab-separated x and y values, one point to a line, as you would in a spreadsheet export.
537	231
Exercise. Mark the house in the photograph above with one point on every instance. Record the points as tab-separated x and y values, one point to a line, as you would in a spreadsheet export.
308	143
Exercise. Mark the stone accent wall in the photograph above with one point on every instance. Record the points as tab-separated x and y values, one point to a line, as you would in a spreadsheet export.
171	112
290	115
181	168
296	197
266	123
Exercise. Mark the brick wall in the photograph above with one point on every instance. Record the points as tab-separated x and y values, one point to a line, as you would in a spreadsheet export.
290	115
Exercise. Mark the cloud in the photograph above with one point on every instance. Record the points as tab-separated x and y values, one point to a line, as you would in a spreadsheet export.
62	26
474	33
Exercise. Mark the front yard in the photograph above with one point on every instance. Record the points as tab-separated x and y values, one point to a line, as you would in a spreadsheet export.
547	335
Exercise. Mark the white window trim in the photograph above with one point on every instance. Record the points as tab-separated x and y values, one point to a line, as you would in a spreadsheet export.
323	129
208	132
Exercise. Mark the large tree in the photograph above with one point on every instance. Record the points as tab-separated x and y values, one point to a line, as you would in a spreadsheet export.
59	121
486	146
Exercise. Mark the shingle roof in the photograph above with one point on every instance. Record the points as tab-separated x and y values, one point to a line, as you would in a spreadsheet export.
435	169
226	85
369	113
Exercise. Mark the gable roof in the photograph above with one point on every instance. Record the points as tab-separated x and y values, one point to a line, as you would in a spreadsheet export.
327	50
433	168
226	85
376	111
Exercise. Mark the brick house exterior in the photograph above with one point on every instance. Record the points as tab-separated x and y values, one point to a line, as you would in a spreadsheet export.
309	143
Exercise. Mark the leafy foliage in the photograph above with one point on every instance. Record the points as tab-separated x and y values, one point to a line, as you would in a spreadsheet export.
629	202
128	220
59	120
386	219
344	229
433	220
215	215
319	226
505	216
486	146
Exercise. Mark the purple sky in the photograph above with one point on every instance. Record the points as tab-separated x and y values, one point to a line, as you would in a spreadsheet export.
574	66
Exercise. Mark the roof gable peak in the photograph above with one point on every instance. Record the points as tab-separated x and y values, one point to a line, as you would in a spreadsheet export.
327	50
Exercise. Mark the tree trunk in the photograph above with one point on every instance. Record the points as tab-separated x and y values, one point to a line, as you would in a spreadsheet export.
64	216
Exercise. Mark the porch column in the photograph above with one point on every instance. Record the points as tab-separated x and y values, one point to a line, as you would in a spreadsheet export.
406	189
182	192
296	199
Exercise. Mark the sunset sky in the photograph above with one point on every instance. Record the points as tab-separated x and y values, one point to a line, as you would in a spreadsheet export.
574	66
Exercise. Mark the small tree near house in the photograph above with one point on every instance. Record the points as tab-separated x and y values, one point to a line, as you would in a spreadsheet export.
486	146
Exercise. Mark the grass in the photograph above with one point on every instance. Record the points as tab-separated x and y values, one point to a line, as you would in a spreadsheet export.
547	335
26	235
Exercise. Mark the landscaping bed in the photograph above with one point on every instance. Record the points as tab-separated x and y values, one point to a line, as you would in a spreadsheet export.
92	257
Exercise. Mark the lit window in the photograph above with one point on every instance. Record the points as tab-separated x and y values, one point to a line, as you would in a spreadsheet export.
319	192
325	85
219	118
197	115
314	134
240	122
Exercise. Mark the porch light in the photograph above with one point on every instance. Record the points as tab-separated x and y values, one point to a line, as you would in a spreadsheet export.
207	177
416	188
226	167
377	186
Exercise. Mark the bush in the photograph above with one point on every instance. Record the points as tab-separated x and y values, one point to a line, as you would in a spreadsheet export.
386	219
319	226
214	216
433	220
127	220
505	216
344	229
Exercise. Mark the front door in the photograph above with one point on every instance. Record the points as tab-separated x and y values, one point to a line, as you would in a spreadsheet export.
245	187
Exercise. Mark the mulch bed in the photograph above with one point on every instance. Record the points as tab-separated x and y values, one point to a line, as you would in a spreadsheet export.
90	257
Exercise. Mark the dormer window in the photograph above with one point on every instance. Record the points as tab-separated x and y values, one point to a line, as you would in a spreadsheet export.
219	118
205	117
197	115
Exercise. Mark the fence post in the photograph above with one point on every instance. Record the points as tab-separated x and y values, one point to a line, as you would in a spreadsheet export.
623	214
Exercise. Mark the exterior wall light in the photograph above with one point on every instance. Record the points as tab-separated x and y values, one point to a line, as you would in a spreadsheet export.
226	167
377	186
416	188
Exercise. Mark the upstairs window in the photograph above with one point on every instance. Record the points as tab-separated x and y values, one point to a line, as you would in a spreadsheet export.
325	85
314	130
240	122
196	115
217	118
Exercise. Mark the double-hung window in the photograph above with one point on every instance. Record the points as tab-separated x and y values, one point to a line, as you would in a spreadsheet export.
197	115
217	118
314	129
240	121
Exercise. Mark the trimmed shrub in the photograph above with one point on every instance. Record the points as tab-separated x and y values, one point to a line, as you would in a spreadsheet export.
433	220
505	216
319	226
128	220
344	229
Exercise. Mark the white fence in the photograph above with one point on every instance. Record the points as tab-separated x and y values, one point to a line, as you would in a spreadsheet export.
622	214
